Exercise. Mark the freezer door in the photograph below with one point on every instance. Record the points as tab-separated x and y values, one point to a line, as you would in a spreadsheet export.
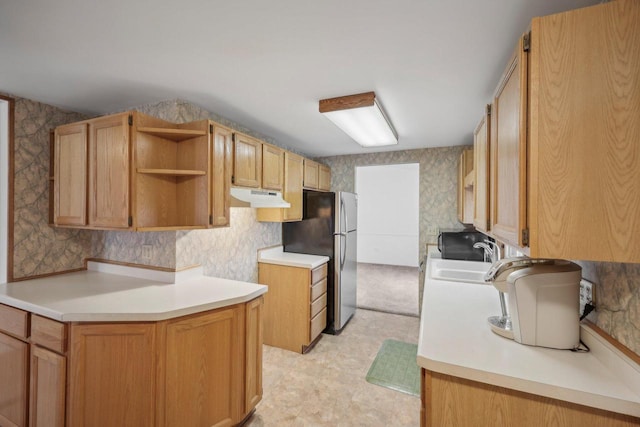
345	278
347	212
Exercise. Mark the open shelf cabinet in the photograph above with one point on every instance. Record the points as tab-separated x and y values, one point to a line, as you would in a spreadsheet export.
172	173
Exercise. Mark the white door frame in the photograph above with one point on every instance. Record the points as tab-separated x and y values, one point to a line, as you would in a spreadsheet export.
4	187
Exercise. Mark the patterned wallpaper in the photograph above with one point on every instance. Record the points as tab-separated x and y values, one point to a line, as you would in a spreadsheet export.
438	184
39	248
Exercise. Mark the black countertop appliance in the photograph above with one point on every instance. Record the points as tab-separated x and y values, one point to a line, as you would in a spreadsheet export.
458	244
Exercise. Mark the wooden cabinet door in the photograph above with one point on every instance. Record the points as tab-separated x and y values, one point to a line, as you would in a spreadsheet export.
109	160
112	372
272	167
460	188
203	370
70	180
324	178
585	134
293	171
14	371
480	170
253	354
48	388
310	174
222	141
247	161
508	152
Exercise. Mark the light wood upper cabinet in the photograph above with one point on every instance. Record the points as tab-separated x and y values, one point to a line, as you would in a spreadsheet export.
247	161
221	170
272	167
324	178
293	171
14	374
481	139
109	160
509	151
565	126
311	174
70	179
48	388
585	134
465	187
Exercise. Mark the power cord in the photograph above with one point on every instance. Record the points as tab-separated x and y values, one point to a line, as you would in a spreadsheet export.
588	308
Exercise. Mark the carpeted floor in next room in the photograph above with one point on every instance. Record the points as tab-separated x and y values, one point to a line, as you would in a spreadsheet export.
327	386
388	288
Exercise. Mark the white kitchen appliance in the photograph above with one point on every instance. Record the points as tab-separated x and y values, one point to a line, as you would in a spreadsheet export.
544	301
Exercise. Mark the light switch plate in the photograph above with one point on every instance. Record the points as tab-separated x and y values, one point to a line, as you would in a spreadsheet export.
147	251
432	230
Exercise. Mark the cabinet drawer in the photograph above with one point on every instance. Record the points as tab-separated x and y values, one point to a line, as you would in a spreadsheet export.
318	304
318	289
14	321
319	273
318	323
49	333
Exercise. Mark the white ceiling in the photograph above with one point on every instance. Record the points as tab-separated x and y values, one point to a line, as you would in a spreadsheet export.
265	64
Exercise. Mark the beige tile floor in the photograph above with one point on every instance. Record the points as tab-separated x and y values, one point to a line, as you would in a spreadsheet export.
327	386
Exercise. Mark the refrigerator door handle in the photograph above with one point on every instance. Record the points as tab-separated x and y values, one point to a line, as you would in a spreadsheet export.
343	213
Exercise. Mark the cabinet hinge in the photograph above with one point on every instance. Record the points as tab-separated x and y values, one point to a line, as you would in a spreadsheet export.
233	179
488	109
526	42
130	221
525	237
211	129
211	219
130	119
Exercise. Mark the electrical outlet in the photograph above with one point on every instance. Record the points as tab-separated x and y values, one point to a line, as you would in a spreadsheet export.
432	230
147	251
587	294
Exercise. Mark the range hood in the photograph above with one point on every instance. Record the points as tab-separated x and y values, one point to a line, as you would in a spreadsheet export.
248	198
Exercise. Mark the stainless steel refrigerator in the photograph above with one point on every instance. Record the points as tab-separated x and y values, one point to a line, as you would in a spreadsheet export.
329	227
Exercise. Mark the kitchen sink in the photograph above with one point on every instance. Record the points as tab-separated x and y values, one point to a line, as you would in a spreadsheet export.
459	271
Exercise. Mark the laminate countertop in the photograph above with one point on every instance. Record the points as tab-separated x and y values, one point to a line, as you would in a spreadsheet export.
455	339
276	255
113	293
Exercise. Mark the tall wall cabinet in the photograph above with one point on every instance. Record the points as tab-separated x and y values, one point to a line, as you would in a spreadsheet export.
481	163
565	158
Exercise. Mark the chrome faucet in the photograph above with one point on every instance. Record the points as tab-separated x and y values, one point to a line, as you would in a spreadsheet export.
493	251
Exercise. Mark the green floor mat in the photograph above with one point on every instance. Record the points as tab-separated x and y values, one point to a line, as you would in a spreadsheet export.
395	367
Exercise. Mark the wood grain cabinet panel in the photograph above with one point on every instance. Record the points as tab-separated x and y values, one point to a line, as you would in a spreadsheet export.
253	353
324	178
453	401
49	333
293	175
508	151
203	369
247	161
109	162
221	171
14	321
70	175
465	188
288	305
311	174
112	373
14	385
48	388
481	139
272	167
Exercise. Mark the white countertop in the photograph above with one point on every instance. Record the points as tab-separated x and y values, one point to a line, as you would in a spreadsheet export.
455	339
116	293
276	255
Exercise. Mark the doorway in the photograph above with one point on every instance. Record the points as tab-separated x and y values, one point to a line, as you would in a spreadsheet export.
4	186
388	237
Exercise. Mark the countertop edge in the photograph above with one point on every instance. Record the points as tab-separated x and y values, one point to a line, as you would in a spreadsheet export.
276	255
578	397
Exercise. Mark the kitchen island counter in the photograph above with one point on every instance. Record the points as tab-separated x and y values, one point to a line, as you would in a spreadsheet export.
456	340
116	293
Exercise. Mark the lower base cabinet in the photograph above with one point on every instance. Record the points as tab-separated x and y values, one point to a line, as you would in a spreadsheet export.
203	369
454	401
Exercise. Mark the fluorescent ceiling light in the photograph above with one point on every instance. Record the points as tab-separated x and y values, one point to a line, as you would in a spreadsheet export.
361	117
